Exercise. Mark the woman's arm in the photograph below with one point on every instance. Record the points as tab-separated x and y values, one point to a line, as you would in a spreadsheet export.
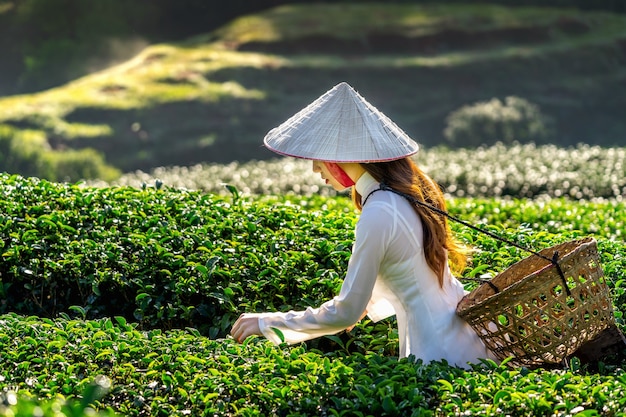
344	310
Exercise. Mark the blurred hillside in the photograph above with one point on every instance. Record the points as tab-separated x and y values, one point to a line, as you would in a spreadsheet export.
46	43
212	97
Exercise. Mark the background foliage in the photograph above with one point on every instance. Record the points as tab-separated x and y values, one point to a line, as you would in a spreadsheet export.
515	171
212	97
513	119
45	43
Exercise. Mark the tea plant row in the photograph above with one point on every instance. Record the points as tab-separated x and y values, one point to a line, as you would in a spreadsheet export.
180	372
518	171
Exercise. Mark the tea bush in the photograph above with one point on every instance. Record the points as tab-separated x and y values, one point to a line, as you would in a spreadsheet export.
172	258
163	257
141	285
486	122
516	171
28	152
179	372
29	405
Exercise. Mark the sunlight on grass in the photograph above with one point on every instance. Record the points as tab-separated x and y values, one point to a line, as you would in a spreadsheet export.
161	74
249	28
82	130
206	141
352	21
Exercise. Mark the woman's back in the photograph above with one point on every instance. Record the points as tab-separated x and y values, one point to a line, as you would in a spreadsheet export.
408	287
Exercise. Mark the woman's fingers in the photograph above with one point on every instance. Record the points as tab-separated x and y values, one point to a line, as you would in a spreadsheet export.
235	331
246	325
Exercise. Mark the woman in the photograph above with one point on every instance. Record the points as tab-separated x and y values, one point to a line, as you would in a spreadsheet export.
401	254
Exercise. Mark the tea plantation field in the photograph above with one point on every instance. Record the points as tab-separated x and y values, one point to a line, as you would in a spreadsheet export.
117	299
515	171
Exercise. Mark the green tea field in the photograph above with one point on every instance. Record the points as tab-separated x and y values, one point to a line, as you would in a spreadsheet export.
117	299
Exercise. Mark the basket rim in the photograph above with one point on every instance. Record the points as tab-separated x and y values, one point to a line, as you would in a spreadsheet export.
464	307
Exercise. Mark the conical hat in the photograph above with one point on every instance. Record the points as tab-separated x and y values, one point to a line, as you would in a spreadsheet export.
341	126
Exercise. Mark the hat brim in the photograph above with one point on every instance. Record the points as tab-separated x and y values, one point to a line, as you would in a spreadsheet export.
341	126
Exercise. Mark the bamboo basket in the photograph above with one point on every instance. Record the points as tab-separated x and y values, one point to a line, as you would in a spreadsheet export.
527	313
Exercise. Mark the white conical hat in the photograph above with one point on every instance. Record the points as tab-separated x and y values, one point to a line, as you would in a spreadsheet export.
341	126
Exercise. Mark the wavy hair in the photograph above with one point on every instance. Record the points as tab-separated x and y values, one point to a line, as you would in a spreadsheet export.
405	176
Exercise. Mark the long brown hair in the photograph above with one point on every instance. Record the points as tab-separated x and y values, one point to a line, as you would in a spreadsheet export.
405	176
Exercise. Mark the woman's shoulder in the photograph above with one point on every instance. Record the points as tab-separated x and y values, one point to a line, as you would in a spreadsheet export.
382	205
380	199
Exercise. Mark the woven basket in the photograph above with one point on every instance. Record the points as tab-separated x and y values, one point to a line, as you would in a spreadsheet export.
529	315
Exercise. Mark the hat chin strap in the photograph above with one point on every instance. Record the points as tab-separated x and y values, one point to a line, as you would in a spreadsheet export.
339	174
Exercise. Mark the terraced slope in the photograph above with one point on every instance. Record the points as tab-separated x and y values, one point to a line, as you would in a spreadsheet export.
212	98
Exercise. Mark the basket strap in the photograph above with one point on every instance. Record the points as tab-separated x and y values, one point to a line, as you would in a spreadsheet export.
410	198
483	281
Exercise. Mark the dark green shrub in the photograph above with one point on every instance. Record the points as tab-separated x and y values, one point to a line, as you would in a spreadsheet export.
484	123
76	165
166	258
27	153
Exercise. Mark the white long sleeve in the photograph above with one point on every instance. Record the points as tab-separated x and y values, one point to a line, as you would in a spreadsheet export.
344	310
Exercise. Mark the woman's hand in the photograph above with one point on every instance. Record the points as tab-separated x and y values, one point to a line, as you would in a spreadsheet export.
246	325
